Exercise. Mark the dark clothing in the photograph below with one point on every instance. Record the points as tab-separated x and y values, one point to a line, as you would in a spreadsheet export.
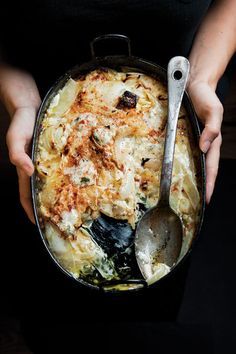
49	36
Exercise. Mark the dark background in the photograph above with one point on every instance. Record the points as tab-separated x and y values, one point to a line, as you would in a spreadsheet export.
31	287
207	317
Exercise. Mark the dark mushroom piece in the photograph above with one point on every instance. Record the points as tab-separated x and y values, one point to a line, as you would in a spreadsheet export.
127	100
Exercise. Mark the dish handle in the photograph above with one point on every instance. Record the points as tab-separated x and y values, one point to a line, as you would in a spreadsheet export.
109	36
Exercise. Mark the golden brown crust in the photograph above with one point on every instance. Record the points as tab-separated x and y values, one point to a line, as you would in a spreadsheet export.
100	151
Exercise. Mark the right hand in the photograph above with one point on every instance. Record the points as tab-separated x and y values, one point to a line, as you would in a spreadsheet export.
20	95
19	137
210	112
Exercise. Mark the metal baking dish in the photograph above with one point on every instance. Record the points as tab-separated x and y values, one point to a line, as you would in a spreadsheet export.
116	62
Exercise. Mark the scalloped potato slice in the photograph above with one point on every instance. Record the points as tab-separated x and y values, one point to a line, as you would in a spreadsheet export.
191	191
96	156
64	99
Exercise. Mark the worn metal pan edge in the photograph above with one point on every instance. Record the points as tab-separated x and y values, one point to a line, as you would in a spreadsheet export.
117	62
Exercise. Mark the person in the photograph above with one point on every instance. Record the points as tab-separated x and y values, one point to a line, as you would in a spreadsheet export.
211	51
49	35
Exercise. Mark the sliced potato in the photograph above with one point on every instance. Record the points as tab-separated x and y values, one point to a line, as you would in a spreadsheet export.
64	99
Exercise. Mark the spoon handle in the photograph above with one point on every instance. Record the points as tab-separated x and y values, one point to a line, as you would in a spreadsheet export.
177	74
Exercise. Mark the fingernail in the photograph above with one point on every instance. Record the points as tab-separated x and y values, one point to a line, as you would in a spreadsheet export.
205	146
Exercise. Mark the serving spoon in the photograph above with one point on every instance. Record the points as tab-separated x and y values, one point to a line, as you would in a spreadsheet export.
159	233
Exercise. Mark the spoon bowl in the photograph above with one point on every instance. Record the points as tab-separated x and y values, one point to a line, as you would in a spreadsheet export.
158	226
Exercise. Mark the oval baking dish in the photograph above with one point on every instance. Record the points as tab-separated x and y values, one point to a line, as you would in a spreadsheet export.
98	158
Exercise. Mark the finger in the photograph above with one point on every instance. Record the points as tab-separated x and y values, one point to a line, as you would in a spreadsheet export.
25	194
212	164
17	154
213	119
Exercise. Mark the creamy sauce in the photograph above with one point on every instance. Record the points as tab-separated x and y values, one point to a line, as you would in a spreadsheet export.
100	152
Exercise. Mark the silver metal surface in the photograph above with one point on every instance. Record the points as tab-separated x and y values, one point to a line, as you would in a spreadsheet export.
159	233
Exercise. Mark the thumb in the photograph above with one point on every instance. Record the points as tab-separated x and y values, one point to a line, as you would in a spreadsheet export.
207	137
212	129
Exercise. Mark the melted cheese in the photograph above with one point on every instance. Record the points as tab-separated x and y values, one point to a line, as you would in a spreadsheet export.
95	157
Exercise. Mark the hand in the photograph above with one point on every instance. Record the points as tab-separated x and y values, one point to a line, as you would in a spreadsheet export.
20	95
18	140
210	112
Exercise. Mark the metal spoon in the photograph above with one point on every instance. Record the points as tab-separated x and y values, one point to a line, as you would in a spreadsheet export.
159	233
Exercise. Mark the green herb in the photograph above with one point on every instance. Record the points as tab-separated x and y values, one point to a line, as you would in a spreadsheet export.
84	180
143	199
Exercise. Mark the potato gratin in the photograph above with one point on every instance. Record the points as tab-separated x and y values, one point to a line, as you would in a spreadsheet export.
99	154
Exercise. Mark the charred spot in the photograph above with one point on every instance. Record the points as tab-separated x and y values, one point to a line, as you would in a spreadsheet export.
126	77
127	100
97	151
80	98
144	185
76	120
144	160
95	148
107	126
95	138
163	124
52	145
162	98
66	150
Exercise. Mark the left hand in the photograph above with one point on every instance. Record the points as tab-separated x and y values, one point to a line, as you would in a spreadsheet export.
19	137
20	95
210	112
